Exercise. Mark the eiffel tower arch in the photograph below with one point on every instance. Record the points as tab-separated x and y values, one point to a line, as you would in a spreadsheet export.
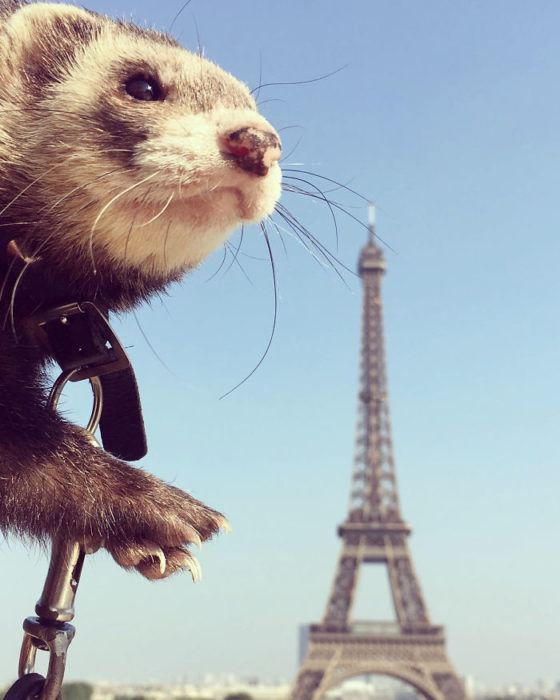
411	649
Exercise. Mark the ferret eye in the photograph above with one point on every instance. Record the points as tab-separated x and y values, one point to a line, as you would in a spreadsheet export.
143	89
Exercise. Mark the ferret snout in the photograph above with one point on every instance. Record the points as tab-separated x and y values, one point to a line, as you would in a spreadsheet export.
253	149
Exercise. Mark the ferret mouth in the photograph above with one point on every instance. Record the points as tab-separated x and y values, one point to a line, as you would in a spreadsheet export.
174	234
162	227
184	206
225	201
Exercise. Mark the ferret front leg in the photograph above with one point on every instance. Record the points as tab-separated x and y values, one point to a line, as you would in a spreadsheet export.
58	484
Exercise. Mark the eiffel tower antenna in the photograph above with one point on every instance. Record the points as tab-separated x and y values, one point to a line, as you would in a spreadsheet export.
411	649
371	223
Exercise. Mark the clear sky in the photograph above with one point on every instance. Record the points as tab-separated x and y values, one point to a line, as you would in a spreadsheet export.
447	115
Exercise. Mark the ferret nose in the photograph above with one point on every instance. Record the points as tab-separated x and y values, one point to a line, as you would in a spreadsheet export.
253	149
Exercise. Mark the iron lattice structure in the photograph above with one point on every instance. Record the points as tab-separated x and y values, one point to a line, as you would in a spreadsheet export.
411	649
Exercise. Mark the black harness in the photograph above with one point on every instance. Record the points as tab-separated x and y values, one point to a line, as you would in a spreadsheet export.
83	343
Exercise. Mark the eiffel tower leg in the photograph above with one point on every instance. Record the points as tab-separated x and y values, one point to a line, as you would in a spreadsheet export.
310	685
307	683
450	686
330	661
316	673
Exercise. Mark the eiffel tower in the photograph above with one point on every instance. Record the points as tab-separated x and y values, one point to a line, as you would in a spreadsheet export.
411	649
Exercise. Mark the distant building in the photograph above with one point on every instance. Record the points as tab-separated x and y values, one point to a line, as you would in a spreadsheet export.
214	690
303	642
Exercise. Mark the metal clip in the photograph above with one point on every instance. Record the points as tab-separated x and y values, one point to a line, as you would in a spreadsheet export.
52	638
50	631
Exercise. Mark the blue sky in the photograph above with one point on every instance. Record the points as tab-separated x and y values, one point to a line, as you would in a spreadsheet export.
446	114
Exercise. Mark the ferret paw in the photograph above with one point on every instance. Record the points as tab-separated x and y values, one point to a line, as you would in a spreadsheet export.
154	562
157	541
81	493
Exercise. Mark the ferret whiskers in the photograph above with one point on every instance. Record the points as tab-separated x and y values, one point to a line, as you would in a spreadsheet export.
275	316
30	185
155	218
129	234
106	207
39	248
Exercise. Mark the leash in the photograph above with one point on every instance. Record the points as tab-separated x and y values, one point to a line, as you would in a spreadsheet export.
81	340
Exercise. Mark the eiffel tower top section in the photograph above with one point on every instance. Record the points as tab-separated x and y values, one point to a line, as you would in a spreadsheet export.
374	501
371	257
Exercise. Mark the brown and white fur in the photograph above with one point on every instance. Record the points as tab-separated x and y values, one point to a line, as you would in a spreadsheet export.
124	161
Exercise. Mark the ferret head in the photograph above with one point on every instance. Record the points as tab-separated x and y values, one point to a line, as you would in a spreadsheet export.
125	159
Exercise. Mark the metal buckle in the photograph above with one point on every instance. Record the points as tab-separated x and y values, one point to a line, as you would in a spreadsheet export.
79	338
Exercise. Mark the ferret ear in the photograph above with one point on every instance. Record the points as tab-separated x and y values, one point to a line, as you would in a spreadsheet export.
45	14
45	9
50	38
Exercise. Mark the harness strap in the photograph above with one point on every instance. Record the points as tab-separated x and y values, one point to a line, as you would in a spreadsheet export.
80	338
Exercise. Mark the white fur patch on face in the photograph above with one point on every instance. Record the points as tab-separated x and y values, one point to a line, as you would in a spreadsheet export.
180	239
187	195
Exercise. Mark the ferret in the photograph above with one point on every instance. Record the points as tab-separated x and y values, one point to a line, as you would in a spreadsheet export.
124	161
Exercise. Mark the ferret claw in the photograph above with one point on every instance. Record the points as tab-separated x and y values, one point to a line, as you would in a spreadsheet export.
160	556
145	551
223	523
195	537
190	562
195	569
151	570
176	560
